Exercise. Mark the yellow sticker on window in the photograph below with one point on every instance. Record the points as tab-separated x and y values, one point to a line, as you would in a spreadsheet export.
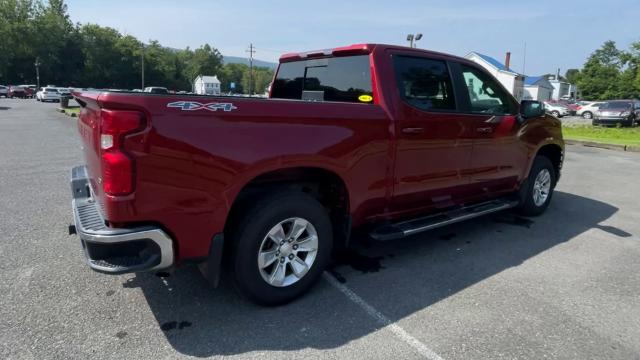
365	98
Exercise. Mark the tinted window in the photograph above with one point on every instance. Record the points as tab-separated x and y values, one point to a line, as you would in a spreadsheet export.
344	79
485	94
424	83
616	105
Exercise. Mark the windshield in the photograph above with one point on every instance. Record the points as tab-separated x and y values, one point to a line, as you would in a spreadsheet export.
616	105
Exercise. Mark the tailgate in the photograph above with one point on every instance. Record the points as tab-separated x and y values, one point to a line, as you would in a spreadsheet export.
89	128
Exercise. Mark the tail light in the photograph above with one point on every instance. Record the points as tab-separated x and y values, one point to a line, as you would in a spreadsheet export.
117	166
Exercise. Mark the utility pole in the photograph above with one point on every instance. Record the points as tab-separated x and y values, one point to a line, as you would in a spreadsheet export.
37	64
142	64
251	51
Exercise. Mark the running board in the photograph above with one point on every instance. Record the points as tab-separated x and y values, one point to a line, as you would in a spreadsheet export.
414	226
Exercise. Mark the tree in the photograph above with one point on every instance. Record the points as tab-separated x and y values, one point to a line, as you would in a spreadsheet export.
233	73
633	63
89	55
572	75
600	77
205	61
17	46
101	56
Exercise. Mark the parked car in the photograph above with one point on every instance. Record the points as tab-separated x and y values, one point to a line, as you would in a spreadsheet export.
618	112
586	109
156	90
29	89
17	92
4	91
556	109
48	94
271	186
568	103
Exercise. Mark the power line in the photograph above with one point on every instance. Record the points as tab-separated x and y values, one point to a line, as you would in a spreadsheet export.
272	50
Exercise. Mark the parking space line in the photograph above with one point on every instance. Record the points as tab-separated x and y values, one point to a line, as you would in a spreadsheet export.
383	320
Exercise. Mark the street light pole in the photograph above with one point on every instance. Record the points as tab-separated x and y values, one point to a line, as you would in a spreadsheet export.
37	64
412	39
142	65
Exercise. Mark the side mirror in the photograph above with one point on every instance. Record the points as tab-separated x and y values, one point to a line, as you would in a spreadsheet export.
531	109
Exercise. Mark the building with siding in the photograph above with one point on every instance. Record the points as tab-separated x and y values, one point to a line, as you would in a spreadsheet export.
510	79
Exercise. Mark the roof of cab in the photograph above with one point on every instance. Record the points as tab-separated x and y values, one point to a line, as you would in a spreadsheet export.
356	49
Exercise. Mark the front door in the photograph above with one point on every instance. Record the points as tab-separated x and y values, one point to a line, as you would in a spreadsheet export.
498	153
434	142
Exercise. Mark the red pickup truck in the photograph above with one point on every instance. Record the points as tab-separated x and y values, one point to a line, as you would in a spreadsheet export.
390	139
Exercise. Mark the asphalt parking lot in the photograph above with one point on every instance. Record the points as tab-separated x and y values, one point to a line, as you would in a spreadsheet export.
563	286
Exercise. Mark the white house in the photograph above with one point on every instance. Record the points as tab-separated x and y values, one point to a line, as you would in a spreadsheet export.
563	89
206	85
537	88
510	79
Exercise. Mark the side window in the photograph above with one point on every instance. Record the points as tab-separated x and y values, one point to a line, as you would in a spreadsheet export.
424	83
485	94
344	79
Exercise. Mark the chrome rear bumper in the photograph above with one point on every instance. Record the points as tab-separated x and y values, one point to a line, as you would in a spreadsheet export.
115	250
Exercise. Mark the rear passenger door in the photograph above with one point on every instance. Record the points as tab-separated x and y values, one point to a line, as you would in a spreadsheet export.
433	150
498	155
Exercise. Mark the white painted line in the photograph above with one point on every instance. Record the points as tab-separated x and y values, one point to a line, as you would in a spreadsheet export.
386	322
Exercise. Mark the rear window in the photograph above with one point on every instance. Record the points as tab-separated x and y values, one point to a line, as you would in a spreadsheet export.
343	79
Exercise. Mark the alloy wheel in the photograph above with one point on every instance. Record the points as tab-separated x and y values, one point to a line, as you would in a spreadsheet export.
287	252
541	187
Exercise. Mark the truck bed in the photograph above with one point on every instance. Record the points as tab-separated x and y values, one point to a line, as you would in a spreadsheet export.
197	152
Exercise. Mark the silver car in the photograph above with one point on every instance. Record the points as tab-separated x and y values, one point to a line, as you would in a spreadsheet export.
557	110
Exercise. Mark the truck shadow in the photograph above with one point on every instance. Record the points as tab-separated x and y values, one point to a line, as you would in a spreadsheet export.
200	321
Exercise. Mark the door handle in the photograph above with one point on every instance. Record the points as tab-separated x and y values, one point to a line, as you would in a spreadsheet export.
413	130
485	130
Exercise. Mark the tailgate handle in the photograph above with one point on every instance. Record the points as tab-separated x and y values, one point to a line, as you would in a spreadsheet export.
485	130
413	130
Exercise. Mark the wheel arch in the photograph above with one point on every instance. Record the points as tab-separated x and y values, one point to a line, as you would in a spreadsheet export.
325	185
554	152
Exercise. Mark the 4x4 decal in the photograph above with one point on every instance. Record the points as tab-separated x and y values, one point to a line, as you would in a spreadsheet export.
194	105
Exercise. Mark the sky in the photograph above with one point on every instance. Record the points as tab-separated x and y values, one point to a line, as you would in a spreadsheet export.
558	34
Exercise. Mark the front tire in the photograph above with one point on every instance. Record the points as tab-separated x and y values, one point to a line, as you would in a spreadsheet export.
556	114
281	246
587	115
537	190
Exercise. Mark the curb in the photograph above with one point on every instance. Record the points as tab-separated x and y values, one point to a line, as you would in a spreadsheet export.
632	148
62	111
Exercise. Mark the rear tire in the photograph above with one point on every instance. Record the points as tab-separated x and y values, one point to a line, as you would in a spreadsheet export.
556	114
292	269
537	190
